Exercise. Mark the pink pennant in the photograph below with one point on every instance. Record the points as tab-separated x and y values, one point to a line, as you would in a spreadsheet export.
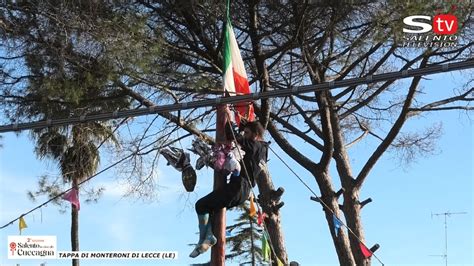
365	251
73	197
260	217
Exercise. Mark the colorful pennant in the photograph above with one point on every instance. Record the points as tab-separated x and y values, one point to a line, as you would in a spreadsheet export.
253	210
22	224
337	224
73	197
279	263
261	217
265	248
365	251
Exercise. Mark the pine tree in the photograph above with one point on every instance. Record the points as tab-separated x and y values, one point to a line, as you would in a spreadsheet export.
244	240
69	53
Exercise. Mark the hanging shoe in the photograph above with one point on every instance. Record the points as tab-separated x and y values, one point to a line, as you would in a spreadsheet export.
188	177
171	156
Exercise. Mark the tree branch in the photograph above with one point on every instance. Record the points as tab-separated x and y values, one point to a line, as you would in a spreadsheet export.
262	71
297	132
178	121
379	90
438	105
307	120
304	161
327	129
393	131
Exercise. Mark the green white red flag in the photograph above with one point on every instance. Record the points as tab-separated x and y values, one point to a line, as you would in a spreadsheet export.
235	78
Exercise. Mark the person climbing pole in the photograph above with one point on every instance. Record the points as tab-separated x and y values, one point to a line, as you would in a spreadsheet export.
237	191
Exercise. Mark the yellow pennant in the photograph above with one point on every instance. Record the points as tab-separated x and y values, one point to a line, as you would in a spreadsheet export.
22	224
279	263
253	210
266	252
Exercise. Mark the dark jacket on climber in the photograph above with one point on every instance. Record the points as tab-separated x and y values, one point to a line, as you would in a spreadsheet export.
237	191
256	150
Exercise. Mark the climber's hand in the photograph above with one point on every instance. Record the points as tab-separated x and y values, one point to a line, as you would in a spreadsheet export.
228	111
243	123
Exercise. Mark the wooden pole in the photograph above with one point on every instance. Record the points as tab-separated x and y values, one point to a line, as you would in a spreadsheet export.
218	219
252	249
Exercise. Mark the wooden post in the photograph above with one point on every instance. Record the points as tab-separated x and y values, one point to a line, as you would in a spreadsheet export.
218	219
252	249
75	224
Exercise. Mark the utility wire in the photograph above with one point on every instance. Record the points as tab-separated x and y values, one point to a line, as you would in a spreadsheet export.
433	69
89	178
64	192
323	203
232	99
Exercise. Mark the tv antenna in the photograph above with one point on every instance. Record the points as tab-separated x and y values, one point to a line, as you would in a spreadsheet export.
446	215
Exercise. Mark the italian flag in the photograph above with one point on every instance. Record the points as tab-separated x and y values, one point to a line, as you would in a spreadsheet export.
235	77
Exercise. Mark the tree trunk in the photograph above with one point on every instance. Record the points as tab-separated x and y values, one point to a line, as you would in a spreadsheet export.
341	241
75	225
259	60
352	210
269	197
269	200
218	219
351	206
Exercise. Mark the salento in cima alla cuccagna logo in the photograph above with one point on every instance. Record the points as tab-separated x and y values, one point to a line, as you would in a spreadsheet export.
438	31
32	247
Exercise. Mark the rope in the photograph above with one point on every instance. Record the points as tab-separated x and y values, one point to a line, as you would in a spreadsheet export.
64	192
324	204
89	178
251	188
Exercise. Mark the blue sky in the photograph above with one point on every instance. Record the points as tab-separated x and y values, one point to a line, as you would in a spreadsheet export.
399	218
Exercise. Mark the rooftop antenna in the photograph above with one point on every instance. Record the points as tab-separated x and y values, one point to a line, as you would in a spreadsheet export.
446	215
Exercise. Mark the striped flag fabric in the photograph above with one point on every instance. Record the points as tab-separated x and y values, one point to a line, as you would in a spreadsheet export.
235	77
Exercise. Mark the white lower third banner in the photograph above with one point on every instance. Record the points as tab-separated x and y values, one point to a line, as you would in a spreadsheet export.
44	247
118	255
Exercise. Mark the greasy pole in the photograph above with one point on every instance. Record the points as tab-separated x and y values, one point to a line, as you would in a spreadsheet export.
218	219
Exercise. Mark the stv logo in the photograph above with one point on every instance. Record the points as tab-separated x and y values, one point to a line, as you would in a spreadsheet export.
443	24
